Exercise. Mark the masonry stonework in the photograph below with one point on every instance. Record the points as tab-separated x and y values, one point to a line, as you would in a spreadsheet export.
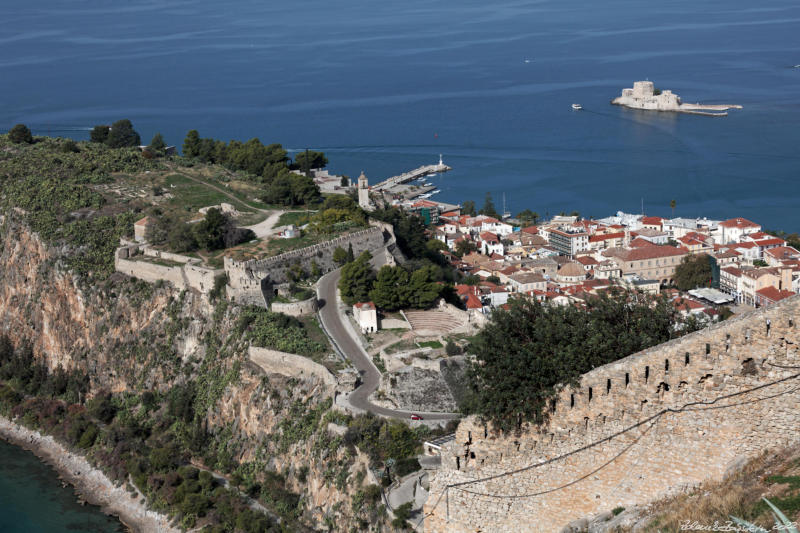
246	279
643	427
287	364
301	308
137	261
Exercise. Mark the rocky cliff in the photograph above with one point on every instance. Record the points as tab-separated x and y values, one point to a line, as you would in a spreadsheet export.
130	336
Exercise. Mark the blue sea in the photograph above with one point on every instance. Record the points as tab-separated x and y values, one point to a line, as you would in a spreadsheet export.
385	87
32	499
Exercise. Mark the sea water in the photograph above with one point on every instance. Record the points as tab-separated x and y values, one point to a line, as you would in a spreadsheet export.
385	87
33	500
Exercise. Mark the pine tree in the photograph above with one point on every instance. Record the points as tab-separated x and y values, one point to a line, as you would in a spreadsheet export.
191	144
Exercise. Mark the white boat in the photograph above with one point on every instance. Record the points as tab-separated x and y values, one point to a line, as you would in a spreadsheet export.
577	107
435	191
426	195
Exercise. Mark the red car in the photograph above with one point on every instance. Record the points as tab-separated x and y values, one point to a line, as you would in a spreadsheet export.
416	417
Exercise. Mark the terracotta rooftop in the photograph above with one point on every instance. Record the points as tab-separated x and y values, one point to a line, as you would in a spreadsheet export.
739	223
773	294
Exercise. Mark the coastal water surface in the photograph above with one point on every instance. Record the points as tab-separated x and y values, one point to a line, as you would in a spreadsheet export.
32	499
384	87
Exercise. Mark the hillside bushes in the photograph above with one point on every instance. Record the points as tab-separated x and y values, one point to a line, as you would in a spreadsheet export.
526	353
277	331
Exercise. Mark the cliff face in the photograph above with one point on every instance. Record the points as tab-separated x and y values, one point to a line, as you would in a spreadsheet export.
132	336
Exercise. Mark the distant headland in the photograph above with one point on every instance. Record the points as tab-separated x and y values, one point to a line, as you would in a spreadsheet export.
644	95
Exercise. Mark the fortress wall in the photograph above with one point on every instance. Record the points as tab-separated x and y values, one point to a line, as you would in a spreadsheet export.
187	276
273	361
245	277
636	463
305	307
200	278
146	271
178	258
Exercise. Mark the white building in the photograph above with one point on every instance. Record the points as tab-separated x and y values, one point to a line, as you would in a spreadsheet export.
734	229
366	316
363	192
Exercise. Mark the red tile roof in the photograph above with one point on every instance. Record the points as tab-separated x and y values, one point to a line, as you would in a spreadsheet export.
739	223
607	236
473	302
652	221
771	242
652	252
773	294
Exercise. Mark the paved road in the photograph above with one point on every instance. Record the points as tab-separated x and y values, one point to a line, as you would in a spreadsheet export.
332	319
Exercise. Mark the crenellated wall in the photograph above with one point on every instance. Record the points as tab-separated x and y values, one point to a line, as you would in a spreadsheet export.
642	427
245	278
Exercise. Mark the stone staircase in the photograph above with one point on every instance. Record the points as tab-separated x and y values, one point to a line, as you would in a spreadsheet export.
432	321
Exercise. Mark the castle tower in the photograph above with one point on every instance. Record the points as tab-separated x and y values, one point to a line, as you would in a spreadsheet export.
363	191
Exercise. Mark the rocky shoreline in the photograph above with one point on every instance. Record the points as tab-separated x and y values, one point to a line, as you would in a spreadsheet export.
90	482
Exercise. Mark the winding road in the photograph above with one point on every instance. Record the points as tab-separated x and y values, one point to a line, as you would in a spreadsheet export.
333	321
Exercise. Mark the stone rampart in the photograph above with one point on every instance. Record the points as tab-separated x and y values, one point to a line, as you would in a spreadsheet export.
640	428
187	275
245	278
287	364
302	308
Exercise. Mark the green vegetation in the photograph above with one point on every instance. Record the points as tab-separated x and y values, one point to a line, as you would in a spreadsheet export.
56	193
149	437
298	218
527	218
526	354
694	271
395	288
468	208
215	231
277	331
266	165
488	208
430	344
20	134
309	159
157	146
356	280
122	135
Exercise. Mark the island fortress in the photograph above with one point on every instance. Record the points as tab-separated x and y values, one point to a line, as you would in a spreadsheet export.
644	95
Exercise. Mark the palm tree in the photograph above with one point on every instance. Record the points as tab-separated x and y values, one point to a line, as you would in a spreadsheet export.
672	204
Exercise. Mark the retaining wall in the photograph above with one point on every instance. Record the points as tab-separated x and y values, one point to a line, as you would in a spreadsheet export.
743	404
245	277
287	364
186	276
305	307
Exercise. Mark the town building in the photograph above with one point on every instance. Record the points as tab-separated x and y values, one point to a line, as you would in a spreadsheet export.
567	241
649	262
366	316
140	229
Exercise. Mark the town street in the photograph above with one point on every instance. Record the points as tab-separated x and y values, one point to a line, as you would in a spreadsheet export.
333	321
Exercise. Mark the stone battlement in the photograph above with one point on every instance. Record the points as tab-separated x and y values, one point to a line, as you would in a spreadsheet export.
248	281
633	430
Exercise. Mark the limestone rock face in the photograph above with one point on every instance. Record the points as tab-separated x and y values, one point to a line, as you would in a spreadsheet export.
131	335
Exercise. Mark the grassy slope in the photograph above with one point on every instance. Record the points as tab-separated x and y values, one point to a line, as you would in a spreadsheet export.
775	476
